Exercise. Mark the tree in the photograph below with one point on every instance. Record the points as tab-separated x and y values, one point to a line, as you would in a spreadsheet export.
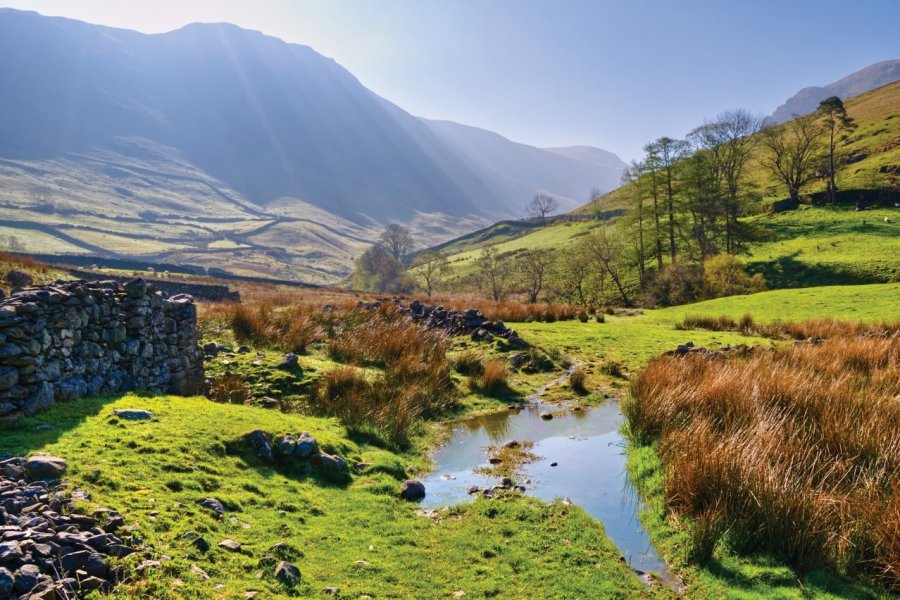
670	152
397	240
651	165
632	177
594	201
432	268
792	152
534	268
541	206
572	274
606	248
377	270
837	125
493	272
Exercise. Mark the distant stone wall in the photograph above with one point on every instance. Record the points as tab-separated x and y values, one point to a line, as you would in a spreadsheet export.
201	291
79	338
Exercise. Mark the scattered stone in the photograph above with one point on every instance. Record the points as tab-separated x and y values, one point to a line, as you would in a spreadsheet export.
19	279
269	403
214	505
243	350
44	466
330	591
412	489
511	444
287	573
306	445
133	414
553	464
230	545
289	361
547	416
210	349
286	445
198	572
329	463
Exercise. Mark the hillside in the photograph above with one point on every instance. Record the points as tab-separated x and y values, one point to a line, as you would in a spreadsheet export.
818	245
867	79
222	147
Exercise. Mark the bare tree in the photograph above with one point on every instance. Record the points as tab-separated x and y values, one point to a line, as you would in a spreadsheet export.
594	200
541	206
572	274
398	241
606	247
792	152
837	124
494	272
534	268
432	268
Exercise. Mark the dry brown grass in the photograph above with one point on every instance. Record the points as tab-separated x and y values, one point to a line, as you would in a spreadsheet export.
578	380
290	329
494	379
821	328
230	389
25	263
794	451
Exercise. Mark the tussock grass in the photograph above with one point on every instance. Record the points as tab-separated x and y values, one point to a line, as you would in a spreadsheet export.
266	325
578	380
469	362
821	328
793	451
510	310
494	379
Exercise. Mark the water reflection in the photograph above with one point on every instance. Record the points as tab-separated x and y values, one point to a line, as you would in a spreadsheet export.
590	468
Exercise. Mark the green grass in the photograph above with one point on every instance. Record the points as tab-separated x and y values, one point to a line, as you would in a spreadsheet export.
355	535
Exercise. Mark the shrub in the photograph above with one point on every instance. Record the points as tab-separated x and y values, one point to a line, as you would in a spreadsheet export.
724	275
600	318
793	451
677	284
611	367
583	316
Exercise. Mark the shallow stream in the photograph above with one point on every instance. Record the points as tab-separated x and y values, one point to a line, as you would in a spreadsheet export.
589	456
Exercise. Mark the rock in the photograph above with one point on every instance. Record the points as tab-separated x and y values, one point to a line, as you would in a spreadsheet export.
41	398
306	446
44	466
200	573
412	489
259	441
147	565
243	349
213	505
10	552
210	349
511	444
553	464
6	583
329	463
136	288
269	403
230	545
9	376
547	416
19	279
287	573
27	577
330	591
495	460
201	544
286	445
290	361
133	414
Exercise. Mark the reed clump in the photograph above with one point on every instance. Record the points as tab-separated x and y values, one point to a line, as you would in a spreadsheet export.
793	451
820	328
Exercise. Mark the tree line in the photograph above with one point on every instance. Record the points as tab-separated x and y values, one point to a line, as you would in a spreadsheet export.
679	239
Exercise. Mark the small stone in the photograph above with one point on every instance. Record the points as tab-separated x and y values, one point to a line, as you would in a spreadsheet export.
230	545
287	573
44	466
214	505
290	361
412	489
198	572
147	565
10	552
6	583
495	460
511	444
306	445
553	464
243	349
547	416
210	349
259	441
133	414
330	591
269	403
329	463
286	445
458	594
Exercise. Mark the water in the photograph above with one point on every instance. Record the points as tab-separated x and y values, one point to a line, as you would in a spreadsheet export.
590	471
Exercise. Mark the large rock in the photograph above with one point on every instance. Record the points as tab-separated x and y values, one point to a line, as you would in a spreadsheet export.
287	573
44	466
286	445
7	581
259	441
306	446
328	463
133	414
412	489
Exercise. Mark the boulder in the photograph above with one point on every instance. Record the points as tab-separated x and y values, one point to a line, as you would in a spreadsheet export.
7	581
44	466
287	573
259	441
329	463
135	288
306	446
289	361
286	445
412	489
214	505
230	545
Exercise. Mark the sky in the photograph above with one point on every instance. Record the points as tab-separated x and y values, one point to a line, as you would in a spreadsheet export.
608	73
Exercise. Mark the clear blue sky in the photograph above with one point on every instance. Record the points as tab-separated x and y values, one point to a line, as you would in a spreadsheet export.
613	74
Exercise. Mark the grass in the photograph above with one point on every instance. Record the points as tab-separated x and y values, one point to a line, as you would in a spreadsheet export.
356	535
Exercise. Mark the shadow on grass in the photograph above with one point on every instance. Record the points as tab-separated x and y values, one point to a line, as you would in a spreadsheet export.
789	272
32	434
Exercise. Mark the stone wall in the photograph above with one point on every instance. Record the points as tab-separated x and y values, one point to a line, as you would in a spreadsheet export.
201	291
81	338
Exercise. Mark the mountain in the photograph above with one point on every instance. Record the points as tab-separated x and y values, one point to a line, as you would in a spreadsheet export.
219	146
807	100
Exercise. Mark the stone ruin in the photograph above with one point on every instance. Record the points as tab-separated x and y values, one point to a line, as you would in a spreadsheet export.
77	338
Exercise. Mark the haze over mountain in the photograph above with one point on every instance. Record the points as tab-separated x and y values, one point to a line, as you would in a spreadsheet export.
258	127
807	100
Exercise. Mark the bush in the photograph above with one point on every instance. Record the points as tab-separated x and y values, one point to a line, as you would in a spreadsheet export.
469	362
600	318
676	284
724	275
583	316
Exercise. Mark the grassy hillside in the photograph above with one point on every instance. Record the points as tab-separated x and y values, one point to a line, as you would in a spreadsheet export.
809	247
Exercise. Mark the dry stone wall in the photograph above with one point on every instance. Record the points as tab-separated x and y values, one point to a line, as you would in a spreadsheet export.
80	338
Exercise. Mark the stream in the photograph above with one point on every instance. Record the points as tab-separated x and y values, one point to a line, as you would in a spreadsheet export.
589	453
